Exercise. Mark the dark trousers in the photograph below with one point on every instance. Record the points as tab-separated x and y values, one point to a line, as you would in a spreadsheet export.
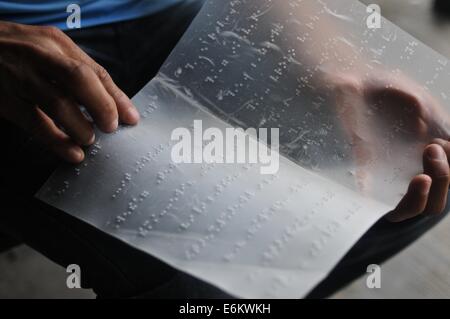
132	52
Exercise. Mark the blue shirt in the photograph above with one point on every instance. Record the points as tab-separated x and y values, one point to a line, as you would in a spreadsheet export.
93	12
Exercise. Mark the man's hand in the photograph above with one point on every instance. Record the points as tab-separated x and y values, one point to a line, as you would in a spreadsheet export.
400	107
45	77
427	193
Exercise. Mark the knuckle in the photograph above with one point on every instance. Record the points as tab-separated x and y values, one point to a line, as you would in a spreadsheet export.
347	84
37	129
59	108
108	116
109	109
117	94
349	88
440	209
105	112
102	74
434	152
84	135
440	142
437	210
53	32
420	106
26	49
442	177
77	71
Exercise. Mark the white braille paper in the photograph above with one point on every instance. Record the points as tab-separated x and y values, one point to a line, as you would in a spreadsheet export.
265	64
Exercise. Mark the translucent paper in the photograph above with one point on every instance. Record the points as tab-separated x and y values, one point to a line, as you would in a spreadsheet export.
355	106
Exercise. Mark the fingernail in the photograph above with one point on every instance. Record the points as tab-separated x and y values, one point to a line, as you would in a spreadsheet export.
76	154
125	101
91	140
112	126
126	104
133	115
88	141
436	153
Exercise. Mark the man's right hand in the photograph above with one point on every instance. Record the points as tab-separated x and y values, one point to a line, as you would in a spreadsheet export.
45	77
389	99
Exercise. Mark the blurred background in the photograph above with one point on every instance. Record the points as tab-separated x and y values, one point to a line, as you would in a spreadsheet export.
421	271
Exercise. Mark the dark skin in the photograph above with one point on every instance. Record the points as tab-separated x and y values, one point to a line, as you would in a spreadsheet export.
398	97
44	77
355	86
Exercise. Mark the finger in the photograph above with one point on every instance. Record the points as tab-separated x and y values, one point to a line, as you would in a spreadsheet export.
414	104
444	144
440	127
415	200
403	108
436	166
349	106
127	111
128	114
39	125
57	141
90	92
67	114
64	112
363	156
79	80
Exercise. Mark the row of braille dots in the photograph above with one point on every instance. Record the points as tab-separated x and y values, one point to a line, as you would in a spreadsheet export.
257	223
206	168
291	230
63	189
132	206
139	165
161	176
178	193
264	217
122	186
325	237
213	230
219	189
150	109
410	50
221	221
95	149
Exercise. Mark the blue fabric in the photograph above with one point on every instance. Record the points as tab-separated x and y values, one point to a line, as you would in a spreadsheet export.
93	12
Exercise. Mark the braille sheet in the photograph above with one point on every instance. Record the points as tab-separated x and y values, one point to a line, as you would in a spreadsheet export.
264	64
